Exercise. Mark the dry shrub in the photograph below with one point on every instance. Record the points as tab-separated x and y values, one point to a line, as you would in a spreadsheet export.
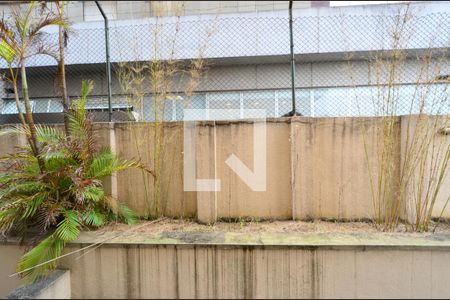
150	86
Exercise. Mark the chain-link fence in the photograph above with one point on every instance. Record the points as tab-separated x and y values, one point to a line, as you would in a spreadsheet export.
346	65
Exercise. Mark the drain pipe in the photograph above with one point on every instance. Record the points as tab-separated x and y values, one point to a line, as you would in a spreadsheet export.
293	112
108	63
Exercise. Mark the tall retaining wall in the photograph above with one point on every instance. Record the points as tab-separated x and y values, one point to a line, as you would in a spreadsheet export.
316	168
261	265
260	272
253	265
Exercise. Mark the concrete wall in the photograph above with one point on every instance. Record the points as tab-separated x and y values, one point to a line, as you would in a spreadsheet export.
329	167
9	256
193	271
316	168
236	199
255	265
56	286
415	134
136	141
327	173
9	142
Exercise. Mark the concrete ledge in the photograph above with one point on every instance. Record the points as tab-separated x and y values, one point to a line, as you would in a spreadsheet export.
55	286
267	239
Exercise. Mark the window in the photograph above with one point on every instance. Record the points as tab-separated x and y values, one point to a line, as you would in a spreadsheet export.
37	106
302	101
259	100
10	108
224	106
232	105
55	106
41	106
192	107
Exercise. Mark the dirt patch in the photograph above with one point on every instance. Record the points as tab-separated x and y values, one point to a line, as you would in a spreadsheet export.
252	226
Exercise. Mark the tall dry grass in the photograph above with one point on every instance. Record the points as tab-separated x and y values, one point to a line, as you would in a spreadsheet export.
150	87
412	156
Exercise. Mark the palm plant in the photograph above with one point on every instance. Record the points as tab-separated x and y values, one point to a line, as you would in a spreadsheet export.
22	37
64	198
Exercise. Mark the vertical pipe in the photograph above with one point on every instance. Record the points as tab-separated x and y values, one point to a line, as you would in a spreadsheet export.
294	111
108	63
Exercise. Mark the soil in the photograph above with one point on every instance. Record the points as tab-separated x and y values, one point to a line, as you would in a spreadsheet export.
255	226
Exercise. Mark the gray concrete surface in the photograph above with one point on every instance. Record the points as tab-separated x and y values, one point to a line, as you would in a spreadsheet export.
257	265
316	168
55	286
196	265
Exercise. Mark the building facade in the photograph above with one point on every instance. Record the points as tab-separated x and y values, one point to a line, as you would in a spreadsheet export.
341	58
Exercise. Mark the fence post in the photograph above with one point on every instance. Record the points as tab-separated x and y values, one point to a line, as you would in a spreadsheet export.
108	63
293	112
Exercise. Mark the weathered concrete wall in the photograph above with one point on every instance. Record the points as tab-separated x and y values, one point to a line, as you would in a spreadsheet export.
9	256
147	271
137	188
235	198
427	155
56	286
329	169
254	265
8	142
316	168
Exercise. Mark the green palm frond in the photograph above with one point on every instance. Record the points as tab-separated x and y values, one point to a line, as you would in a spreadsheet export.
77	115
93	193
49	135
32	167
102	164
25	148
105	163
17	157
23	19
50	248
33	205
5	178
127	164
127	214
19	190
7	52
69	228
35	28
94	218
8	218
58	159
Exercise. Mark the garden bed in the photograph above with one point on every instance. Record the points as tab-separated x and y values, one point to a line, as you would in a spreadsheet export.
251	232
252	225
